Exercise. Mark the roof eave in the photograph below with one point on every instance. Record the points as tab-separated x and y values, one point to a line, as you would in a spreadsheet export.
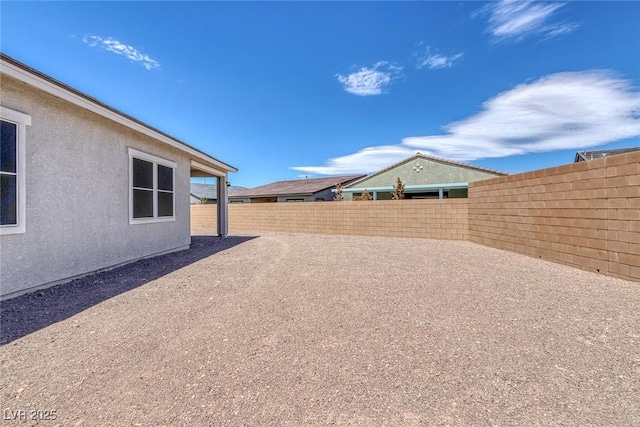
39	80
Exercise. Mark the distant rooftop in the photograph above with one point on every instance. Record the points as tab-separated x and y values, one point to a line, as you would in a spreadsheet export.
298	186
591	155
419	155
210	191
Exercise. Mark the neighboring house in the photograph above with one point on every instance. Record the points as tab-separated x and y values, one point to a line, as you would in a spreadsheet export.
424	177
86	187
207	194
590	155
299	190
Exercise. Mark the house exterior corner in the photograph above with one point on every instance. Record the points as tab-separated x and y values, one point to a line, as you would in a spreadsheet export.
96	193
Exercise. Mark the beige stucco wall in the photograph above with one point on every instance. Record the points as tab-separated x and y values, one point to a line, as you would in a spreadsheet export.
77	206
432	172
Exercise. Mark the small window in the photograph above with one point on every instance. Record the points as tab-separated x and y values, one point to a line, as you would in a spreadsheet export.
295	200
9	173
12	171
152	188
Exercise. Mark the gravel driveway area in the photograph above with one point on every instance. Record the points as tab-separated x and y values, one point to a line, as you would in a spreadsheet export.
294	329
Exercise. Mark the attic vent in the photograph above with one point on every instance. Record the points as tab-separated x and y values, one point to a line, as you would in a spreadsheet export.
418	167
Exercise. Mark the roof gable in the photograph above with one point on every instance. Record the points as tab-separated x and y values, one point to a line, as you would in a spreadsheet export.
419	172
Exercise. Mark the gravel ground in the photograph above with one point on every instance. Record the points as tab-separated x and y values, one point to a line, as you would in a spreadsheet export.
293	329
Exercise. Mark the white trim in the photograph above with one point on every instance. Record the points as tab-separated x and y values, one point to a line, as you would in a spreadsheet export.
151	158
15	116
155	160
55	90
21	121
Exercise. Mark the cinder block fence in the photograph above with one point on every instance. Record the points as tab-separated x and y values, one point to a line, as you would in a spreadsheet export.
586	215
430	219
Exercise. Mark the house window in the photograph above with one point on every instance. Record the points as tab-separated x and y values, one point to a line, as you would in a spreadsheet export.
152	188
13	192
294	200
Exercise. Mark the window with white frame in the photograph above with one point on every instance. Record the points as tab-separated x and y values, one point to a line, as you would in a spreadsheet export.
152	186
13	193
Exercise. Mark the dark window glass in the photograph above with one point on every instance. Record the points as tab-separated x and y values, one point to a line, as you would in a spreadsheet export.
8	200
165	204
165	178
142	204
142	174
8	136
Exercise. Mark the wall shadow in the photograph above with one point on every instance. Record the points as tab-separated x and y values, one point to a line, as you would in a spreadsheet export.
31	312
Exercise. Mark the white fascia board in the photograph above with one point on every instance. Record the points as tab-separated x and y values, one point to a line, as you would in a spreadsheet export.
411	188
55	90
204	168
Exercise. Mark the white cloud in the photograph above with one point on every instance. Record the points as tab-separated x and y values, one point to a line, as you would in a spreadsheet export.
367	160
370	81
573	110
114	46
439	61
516	19
428	58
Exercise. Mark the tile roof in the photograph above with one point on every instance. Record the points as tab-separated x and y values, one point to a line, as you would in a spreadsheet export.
298	186
598	154
433	158
210	191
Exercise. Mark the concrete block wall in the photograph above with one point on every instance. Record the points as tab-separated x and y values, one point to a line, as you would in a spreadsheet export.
433	219
585	214
204	217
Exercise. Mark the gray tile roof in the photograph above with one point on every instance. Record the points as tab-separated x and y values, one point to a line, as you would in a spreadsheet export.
297	186
210	191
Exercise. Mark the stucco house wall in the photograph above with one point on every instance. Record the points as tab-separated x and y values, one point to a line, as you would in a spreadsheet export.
423	176
327	195
292	197
77	194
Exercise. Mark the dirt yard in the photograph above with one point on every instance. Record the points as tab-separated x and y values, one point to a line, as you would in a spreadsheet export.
285	329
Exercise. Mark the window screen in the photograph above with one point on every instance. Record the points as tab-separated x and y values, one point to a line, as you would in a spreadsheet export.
8	174
152	190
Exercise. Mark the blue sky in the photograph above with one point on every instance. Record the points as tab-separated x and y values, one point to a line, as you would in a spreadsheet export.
288	89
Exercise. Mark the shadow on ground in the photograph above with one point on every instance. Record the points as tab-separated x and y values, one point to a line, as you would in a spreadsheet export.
31	312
